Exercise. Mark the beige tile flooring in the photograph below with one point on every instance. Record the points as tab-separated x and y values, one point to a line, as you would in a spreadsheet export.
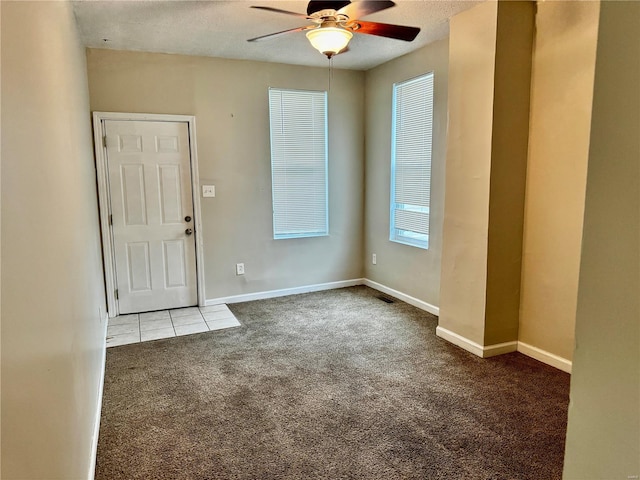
142	327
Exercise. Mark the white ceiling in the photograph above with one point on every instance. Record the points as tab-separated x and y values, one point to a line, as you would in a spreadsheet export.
221	28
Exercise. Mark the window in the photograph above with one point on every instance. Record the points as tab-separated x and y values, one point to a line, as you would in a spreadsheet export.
411	161
298	121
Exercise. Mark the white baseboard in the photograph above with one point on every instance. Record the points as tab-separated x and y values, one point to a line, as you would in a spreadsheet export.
475	348
545	357
501	348
459	340
483	351
249	297
402	296
96	423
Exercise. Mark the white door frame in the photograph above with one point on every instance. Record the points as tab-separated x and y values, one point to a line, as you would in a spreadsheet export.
104	201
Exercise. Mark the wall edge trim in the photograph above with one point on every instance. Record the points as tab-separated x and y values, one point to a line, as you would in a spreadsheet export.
459	341
500	349
283	292
452	337
545	357
475	348
96	424
507	347
422	305
248	297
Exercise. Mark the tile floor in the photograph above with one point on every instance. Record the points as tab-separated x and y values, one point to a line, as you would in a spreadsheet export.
142	327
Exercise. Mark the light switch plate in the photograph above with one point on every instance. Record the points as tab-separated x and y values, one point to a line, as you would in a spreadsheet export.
208	191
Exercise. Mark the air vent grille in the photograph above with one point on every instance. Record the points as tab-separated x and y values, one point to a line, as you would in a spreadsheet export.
385	299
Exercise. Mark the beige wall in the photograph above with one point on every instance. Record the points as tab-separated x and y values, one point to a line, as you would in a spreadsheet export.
466	217
603	436
410	270
489	89
489	86
230	101
509	145
561	97
53	325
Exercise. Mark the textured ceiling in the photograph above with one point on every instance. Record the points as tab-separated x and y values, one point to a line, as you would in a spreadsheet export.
221	28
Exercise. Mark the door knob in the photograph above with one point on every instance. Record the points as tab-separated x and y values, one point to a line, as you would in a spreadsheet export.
187	218
188	231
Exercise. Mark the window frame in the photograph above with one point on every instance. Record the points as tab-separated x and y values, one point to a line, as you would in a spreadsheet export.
399	235
279	234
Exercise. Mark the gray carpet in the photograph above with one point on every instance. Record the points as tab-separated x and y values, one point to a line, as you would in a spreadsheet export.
328	385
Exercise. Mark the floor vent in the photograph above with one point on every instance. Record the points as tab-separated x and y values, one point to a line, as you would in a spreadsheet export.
385	299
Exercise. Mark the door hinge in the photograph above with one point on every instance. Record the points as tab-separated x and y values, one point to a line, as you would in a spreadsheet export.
110	219
104	141
116	293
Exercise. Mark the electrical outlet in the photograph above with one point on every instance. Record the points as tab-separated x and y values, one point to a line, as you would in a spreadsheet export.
374	259
239	268
208	190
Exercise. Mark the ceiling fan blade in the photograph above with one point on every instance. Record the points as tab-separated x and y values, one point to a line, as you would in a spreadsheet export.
399	32
272	35
318	5
278	10
357	10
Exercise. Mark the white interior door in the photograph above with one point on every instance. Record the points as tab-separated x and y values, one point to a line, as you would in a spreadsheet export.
149	173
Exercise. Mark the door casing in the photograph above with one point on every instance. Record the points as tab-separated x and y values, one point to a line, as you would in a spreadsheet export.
104	201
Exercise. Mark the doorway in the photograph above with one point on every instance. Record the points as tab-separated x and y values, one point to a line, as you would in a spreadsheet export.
150	217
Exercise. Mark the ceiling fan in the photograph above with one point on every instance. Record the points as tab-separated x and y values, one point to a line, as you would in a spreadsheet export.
335	20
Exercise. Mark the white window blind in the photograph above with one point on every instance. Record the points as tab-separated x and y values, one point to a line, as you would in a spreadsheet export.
411	161
298	122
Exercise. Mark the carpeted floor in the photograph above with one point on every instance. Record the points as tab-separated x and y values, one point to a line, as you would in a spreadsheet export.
328	385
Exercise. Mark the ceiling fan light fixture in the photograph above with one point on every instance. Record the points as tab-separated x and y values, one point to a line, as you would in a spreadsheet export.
329	40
